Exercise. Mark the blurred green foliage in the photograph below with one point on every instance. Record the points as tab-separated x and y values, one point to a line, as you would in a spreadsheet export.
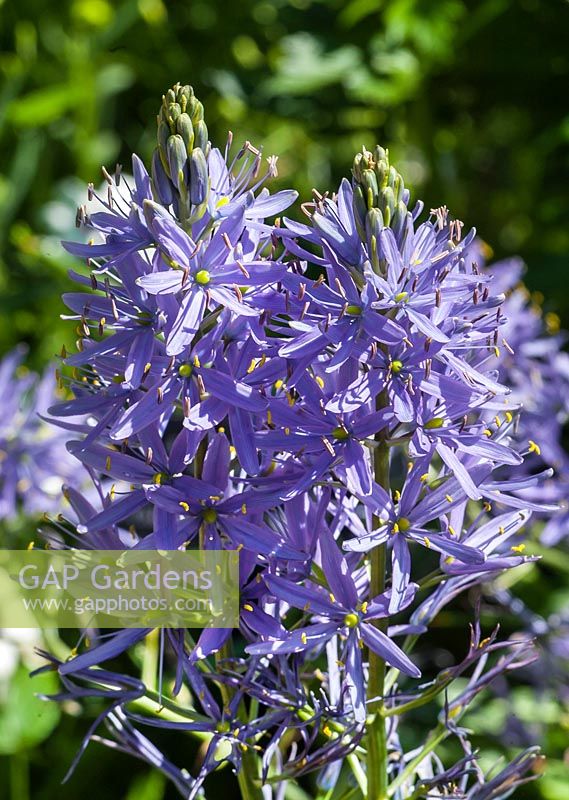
468	96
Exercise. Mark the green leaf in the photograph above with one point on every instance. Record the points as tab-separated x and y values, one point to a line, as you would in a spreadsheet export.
150	786
44	105
25	720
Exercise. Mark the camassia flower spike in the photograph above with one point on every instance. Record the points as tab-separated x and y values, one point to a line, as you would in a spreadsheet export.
340	400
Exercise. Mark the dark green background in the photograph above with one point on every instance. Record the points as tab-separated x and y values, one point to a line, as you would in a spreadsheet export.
470	97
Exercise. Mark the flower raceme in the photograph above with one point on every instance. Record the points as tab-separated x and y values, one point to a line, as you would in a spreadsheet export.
326	396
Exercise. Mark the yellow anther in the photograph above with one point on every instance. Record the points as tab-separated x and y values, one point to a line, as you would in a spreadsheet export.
269	417
497	421
326	730
534	448
196	362
449	559
448	498
244	508
248	607
487	432
278	384
303	638
509	416
427	541
184	505
518	548
397	495
501	530
395	527
487	507
319	381
552	322
424	477
332	597
497	352
287	431
108	463
451	530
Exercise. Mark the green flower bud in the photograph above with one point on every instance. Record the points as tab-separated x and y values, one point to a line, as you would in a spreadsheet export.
199	177
201	135
173	112
164	134
186	130
370	188
360	210
197	113
162	186
177	157
374	224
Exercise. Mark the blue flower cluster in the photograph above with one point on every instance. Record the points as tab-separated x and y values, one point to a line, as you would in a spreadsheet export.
334	399
34	461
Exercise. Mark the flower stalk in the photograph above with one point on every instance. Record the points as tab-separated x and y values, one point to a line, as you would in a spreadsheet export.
377	755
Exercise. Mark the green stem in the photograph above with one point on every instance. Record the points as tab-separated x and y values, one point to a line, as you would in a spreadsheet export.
358	772
425	698
435	738
19	777
376	730
248	777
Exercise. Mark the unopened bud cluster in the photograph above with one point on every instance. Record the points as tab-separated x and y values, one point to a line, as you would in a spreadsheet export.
380	198
179	166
